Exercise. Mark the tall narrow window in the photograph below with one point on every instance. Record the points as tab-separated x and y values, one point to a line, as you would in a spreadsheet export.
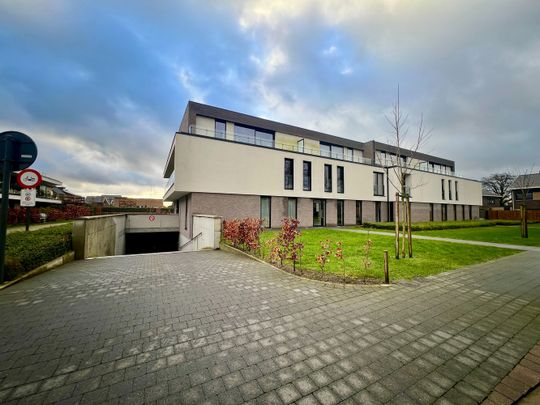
328	178
442	190
266	207
378	184
289	174
449	189
340	212
340	179
463	212
378	217
291	208
470	212
307	176
220	129
358	212
431	212
456	191
444	212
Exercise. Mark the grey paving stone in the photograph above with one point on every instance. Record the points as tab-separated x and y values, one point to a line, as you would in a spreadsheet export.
148	328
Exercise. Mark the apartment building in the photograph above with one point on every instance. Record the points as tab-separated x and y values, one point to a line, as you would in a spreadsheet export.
235	165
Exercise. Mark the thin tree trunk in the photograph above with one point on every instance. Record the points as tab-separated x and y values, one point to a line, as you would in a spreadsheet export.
409	221
404	222
396	223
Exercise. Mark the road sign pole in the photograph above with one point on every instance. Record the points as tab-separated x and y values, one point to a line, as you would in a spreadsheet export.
6	179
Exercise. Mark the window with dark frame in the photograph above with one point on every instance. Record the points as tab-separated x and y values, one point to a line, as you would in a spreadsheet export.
292	208
340	212
307	176
442	190
289	174
253	136
185	215
266	209
449	189
378	184
378	216
456	190
328	178
220	129
431	212
340	179
358	212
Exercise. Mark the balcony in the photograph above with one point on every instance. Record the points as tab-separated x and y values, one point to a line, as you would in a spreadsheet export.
231	137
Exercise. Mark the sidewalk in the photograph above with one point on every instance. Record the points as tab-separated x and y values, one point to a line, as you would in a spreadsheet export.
462	241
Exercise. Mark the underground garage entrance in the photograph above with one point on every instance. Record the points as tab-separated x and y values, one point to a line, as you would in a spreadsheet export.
151	242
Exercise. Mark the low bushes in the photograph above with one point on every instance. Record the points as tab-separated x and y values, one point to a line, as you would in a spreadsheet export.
243	233
70	211
428	226
26	251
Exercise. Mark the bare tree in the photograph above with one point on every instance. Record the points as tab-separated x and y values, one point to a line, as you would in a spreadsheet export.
500	184
523	182
402	164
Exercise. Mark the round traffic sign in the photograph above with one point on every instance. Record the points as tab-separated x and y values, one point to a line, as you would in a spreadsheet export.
29	178
20	148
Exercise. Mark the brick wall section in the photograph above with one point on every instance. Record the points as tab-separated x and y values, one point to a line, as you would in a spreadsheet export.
305	212
522	379
350	212
475	212
368	211
279	211
228	206
420	212
331	213
437	212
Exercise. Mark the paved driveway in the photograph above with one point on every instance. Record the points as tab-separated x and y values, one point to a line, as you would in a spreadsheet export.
189	327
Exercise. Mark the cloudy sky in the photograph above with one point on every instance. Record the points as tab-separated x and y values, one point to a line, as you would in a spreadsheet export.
101	85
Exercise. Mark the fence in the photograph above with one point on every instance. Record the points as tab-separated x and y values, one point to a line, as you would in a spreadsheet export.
513	214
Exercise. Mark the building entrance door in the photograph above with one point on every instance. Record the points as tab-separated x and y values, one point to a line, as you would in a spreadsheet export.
319	213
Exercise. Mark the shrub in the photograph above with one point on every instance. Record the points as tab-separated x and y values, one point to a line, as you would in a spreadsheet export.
244	234
26	251
284	245
428	226
324	257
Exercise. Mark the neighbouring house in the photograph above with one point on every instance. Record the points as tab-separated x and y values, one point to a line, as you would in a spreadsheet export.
235	165
67	197
46	193
526	189
118	201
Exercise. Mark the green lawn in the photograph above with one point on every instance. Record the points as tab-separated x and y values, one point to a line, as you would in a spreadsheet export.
497	234
429	257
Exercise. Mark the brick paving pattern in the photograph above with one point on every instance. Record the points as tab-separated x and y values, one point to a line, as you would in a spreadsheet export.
522	379
214	327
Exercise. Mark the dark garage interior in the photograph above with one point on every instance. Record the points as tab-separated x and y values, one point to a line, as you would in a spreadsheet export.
151	242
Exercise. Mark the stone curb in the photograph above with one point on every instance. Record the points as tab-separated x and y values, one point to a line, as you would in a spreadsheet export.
59	261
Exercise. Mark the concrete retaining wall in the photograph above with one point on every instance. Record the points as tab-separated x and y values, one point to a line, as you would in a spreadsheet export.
102	235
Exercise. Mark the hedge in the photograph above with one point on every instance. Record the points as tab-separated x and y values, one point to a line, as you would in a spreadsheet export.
428	226
26	251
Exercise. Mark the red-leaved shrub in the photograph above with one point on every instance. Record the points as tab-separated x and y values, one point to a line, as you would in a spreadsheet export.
244	234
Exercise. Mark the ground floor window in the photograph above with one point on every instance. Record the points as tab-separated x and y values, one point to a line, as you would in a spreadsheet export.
319	212
444	212
455	212
470	211
378	211
358	212
390	211
340	212
266	206
292	208
463	212
431	212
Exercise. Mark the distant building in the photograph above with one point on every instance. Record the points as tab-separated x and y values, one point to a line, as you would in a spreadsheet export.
490	199
119	201
46	194
532	191
67	197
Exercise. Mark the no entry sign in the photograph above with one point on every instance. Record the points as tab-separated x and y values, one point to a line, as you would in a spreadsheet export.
29	178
